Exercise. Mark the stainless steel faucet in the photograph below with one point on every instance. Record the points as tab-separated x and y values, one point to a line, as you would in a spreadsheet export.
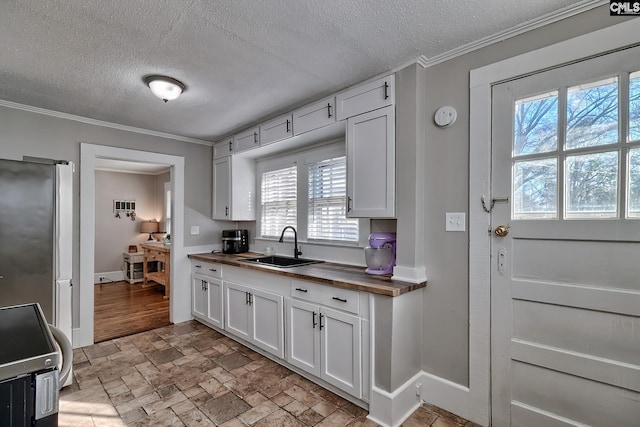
296	252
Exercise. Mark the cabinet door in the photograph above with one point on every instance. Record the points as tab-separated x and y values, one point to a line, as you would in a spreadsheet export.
314	116
341	351
221	188
371	164
276	130
267	326
237	310
223	148
246	140
198	297
303	336
215	312
366	97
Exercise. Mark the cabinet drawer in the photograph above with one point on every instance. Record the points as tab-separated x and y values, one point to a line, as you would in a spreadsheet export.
329	296
206	268
153	255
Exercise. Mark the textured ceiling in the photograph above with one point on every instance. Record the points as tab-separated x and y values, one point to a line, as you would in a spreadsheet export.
242	60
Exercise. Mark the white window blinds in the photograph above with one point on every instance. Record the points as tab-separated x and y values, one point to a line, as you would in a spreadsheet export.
279	200
327	202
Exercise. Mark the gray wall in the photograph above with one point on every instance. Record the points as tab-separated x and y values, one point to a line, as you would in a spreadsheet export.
32	134
114	235
446	307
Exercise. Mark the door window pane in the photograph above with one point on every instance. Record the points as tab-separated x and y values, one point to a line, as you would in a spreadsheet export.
535	189
634	106
634	184
592	185
592	114
536	125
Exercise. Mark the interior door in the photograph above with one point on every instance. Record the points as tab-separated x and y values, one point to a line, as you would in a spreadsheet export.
565	224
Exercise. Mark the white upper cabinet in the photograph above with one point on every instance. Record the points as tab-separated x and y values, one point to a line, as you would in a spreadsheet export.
371	164
314	116
366	97
223	148
234	189
246	140
276	129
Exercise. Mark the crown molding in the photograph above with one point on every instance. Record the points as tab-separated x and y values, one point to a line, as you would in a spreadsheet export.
547	19
89	121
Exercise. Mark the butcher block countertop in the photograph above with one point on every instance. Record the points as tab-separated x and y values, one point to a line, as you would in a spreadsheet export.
341	275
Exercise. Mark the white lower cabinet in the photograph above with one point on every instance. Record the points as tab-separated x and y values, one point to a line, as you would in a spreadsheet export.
206	297
326	343
256	316
322	330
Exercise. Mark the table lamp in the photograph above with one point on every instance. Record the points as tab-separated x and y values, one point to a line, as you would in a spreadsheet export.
149	227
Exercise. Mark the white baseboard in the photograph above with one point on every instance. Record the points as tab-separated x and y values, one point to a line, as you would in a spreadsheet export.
76	339
392	409
445	394
110	276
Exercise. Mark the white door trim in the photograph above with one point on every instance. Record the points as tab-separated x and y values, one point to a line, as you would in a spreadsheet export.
480	82
180	306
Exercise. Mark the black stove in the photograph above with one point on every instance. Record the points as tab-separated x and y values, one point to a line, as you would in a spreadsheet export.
28	368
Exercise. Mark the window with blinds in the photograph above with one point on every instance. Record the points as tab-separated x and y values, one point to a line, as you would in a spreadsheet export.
327	216
279	200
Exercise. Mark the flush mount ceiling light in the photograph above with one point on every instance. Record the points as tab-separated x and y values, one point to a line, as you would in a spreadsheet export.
165	87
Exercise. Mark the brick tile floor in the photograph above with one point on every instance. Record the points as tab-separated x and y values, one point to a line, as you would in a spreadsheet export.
190	375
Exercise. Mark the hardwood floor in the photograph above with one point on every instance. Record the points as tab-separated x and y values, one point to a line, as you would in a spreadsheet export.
122	309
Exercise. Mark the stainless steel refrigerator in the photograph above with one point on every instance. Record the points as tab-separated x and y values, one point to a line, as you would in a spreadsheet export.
36	237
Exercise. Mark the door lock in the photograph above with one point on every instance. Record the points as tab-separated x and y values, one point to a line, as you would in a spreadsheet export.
501	230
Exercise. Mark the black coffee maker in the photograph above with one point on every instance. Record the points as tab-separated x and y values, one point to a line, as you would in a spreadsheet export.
235	241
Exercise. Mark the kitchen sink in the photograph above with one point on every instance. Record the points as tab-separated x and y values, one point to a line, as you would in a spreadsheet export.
281	261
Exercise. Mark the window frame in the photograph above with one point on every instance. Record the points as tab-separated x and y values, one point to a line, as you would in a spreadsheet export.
303	158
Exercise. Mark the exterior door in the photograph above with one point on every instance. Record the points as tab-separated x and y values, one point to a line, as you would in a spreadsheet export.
565	287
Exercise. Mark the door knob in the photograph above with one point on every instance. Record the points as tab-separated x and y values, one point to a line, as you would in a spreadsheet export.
501	230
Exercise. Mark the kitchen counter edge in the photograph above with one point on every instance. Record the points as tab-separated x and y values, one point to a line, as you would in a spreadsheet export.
339	275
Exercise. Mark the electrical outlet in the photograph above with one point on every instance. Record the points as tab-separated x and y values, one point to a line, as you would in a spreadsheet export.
195	229
455	221
102	279
419	389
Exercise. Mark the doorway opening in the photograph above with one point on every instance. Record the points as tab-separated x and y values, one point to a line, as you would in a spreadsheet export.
132	216
83	295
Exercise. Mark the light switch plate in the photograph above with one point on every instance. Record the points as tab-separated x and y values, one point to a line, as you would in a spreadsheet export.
455	221
195	229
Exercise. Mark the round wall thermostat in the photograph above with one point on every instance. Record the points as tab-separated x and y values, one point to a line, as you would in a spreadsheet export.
445	116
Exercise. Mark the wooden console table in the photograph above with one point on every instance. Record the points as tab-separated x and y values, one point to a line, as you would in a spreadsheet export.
161	254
